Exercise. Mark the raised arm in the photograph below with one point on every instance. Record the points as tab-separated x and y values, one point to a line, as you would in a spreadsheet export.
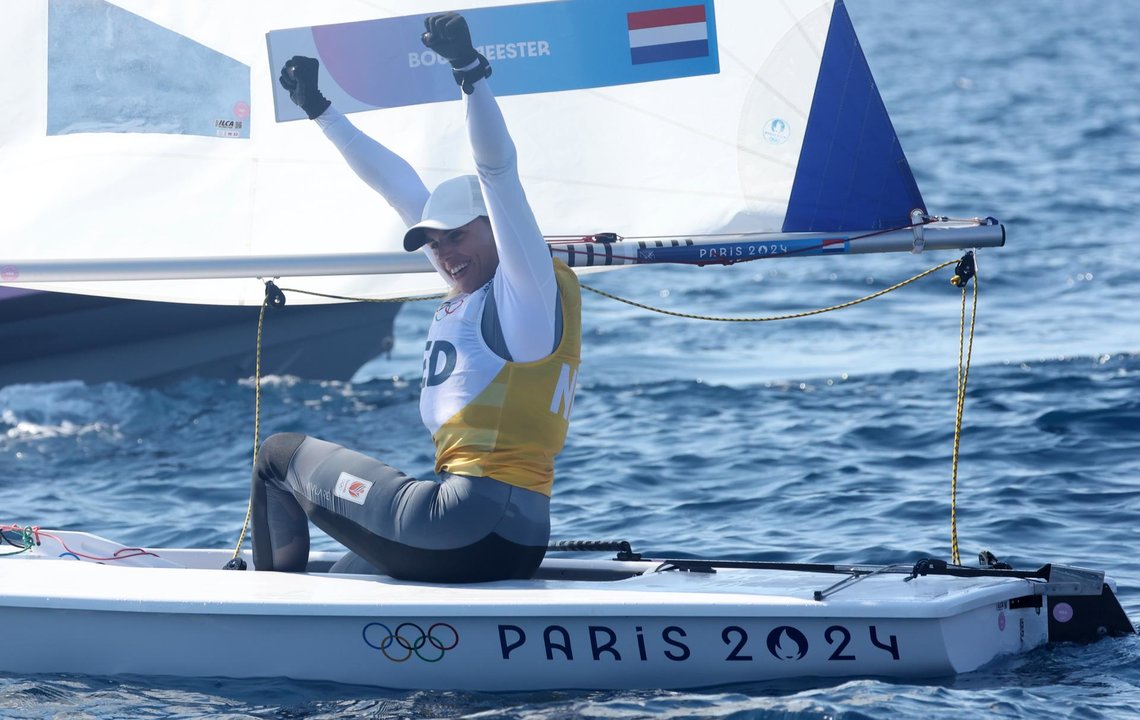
526	292
383	170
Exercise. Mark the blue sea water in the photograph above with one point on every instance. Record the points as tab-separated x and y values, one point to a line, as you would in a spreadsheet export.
823	439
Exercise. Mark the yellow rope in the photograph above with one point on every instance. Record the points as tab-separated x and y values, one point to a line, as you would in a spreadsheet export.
257	385
663	311
256	420
792	316
963	376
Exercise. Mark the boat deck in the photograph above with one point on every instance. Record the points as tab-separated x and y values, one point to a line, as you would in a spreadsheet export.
582	623
191	580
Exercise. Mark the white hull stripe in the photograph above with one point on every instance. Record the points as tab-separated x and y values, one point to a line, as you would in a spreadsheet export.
668	34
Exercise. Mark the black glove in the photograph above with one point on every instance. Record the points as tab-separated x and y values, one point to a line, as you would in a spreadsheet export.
299	77
447	34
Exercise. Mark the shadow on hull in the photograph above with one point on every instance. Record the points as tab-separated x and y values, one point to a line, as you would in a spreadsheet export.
48	337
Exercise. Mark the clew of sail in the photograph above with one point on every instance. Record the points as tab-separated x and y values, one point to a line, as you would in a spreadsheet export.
724	117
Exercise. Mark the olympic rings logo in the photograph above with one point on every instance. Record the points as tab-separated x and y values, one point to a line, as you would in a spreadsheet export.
448	308
410	639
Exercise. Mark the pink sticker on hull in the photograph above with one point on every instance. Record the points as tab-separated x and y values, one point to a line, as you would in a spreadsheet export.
1063	612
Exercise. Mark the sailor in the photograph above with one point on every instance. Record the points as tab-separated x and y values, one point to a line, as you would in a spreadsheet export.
499	373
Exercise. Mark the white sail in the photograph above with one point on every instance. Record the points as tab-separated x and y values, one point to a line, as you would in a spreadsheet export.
87	173
148	193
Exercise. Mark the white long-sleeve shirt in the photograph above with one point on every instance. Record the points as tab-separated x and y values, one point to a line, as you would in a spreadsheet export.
524	286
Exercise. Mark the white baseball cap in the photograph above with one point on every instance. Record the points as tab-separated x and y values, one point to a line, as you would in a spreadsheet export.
453	204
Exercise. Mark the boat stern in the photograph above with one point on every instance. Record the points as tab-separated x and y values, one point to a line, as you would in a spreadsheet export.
1086	618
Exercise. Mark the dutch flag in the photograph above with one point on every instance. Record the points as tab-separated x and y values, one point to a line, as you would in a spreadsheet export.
669	34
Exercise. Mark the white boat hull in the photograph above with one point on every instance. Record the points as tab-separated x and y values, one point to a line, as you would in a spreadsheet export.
660	629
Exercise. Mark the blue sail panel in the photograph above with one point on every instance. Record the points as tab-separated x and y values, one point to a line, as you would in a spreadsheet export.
852	173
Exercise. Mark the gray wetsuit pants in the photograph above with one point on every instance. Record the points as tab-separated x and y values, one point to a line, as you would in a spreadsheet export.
455	529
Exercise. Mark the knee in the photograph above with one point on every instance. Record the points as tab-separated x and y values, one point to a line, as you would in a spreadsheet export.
275	453
278	443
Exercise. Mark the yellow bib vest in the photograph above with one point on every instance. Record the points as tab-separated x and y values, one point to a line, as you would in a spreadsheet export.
490	417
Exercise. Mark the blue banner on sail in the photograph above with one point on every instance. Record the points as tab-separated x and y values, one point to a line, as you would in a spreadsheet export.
533	48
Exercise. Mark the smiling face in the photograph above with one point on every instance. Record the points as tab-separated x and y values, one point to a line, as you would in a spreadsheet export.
467	253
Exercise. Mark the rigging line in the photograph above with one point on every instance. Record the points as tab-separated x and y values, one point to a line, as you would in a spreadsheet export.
26	542
855	578
274	295
5	529
362	299
603	293
125	553
256	421
963	376
575	239
792	316
270	288
568	240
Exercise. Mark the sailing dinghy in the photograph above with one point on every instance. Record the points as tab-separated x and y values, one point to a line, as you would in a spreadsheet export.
76	603
694	131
